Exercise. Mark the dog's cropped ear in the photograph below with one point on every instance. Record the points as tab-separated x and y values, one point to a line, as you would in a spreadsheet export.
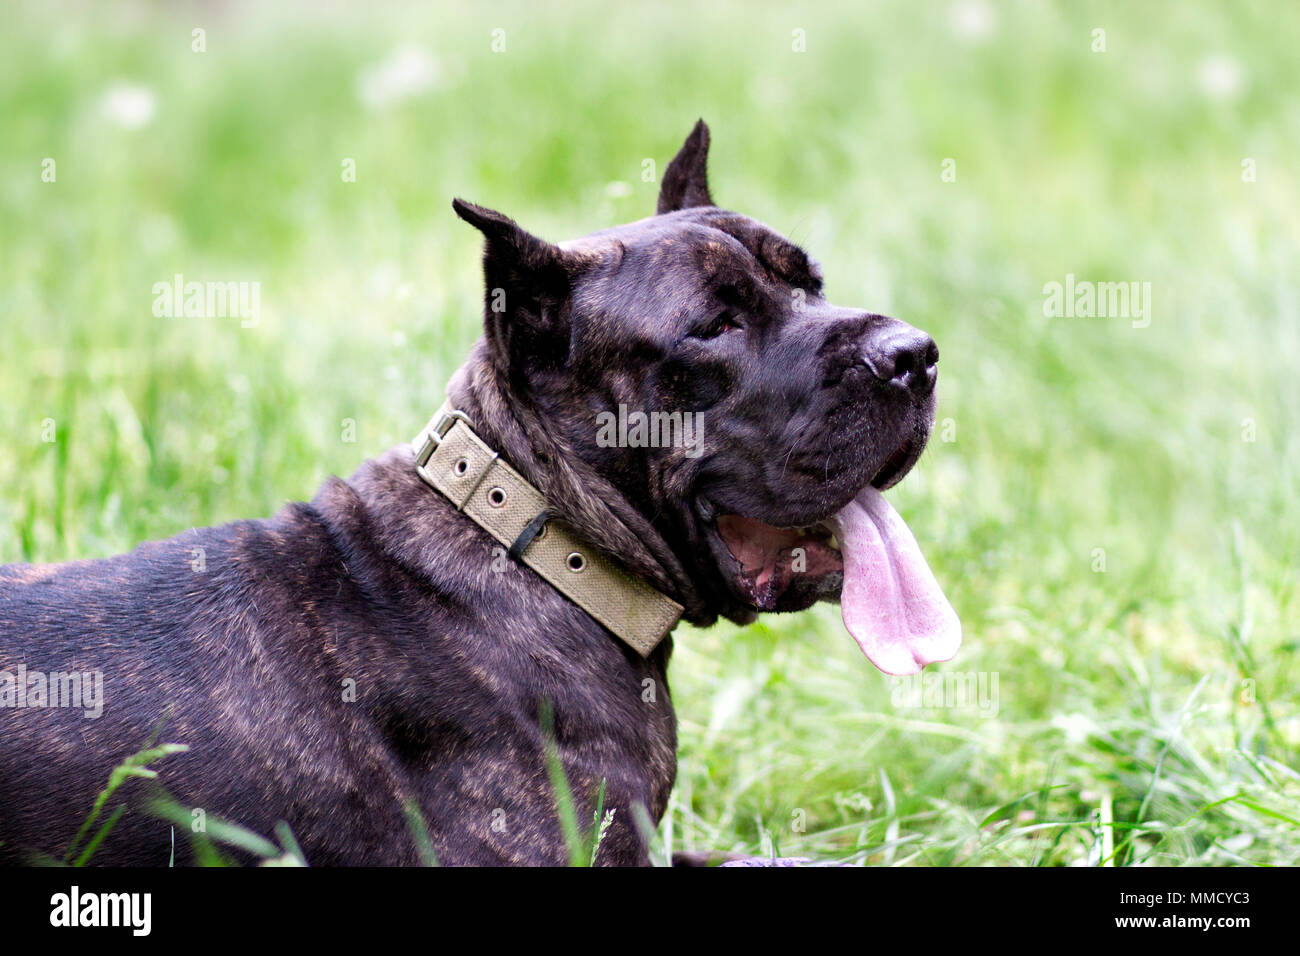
686	180
528	280
513	254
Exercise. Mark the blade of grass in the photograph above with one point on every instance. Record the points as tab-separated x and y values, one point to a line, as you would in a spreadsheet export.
578	853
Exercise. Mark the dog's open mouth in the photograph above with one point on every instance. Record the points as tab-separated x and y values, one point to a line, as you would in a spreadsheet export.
890	600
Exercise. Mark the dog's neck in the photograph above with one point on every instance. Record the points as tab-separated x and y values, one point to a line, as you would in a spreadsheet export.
575	492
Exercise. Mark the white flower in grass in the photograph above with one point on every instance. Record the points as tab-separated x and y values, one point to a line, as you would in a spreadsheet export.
407	72
385	281
129	105
1221	77
1076	727
972	20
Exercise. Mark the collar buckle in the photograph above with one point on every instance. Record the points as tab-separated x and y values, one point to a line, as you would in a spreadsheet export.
434	432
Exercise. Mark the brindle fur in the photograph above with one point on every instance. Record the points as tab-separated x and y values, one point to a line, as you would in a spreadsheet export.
379	580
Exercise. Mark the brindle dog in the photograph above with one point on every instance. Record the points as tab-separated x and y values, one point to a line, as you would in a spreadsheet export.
380	584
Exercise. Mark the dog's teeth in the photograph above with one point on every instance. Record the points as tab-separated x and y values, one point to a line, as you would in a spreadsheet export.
835	543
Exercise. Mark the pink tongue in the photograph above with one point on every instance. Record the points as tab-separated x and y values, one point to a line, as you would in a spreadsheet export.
891	602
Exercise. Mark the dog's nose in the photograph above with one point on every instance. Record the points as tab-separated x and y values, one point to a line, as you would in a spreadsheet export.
905	358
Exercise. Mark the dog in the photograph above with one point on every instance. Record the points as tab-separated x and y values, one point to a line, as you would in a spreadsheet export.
376	665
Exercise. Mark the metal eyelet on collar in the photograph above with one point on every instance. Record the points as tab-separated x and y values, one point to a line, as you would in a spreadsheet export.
461	466
497	497
576	562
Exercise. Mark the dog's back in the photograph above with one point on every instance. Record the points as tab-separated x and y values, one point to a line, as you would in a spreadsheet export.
321	679
212	639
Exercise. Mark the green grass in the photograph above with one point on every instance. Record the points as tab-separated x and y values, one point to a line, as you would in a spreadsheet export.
1154	701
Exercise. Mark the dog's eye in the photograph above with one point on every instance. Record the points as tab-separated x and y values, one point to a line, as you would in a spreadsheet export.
723	322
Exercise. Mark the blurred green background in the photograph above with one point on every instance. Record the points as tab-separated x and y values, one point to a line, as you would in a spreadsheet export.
1145	712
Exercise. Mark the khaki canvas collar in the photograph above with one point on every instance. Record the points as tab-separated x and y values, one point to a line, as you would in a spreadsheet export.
454	461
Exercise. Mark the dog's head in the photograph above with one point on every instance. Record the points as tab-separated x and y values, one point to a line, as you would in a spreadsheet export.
692	360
